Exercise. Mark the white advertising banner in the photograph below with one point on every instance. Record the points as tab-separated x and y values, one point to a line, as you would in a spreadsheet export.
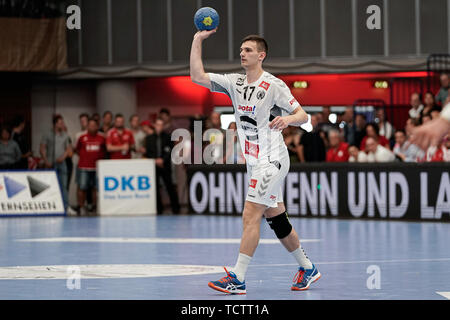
30	193
126	186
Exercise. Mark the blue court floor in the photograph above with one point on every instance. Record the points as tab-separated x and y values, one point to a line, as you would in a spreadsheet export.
174	257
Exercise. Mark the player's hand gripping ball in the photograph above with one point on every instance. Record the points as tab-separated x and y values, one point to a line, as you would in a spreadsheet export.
206	18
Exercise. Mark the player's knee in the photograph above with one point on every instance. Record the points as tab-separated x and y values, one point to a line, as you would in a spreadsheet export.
280	224
249	220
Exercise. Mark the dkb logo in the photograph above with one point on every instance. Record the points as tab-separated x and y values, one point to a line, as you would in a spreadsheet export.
127	183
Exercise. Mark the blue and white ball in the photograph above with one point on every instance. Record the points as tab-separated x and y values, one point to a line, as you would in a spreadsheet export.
206	18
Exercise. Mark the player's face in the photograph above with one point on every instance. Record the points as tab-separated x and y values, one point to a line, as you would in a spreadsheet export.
249	54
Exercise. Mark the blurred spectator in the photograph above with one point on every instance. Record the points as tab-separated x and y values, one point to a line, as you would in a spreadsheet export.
147	128
385	127
10	153
435	112
429	104
107	122
447	146
426	117
372	131
90	148
164	114
216	137
233	151
436	153
325	125
138	135
55	148
415	153
404	150
378	153
360	128
355	155
443	91
69	161
96	117
119	140
349	126
416	106
338	151
84	118
19	137
159	147
312	147
292	140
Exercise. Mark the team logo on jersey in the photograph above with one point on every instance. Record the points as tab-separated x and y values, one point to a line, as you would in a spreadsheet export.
247	109
264	85
240	82
260	95
253	183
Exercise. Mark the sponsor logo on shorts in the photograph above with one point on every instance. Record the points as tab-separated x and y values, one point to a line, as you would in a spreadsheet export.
253	183
272	197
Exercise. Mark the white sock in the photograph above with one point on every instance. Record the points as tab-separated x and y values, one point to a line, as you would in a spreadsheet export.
240	269
302	259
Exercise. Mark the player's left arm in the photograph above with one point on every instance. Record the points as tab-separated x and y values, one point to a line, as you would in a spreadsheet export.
284	99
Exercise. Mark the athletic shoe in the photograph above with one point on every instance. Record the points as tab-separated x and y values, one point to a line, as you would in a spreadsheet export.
304	277
229	284
72	212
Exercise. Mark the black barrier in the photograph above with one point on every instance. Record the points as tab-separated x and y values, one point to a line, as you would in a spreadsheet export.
394	191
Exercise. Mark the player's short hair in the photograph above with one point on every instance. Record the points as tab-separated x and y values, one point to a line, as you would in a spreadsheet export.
261	43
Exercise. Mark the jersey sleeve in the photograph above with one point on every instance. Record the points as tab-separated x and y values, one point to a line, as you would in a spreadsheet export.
284	99
221	83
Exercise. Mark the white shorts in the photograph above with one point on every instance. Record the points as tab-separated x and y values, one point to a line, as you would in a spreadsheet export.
265	182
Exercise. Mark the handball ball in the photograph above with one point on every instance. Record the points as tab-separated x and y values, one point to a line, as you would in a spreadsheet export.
206	18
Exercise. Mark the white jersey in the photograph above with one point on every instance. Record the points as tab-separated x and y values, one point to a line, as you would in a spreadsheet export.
255	106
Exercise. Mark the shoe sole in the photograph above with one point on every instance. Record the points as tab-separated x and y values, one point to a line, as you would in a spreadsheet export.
212	286
314	279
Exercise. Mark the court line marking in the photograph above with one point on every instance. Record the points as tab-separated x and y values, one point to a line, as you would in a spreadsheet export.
104	271
154	240
444	294
356	262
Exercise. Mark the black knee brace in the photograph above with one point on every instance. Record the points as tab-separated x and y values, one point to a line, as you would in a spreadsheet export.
280	225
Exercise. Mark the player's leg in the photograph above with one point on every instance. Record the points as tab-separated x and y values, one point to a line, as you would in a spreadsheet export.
234	282
279	222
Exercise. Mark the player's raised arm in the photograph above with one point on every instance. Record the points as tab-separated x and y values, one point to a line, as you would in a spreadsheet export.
198	74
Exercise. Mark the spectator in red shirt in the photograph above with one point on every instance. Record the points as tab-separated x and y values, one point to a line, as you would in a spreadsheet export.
119	140
90	148
372	131
338	151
